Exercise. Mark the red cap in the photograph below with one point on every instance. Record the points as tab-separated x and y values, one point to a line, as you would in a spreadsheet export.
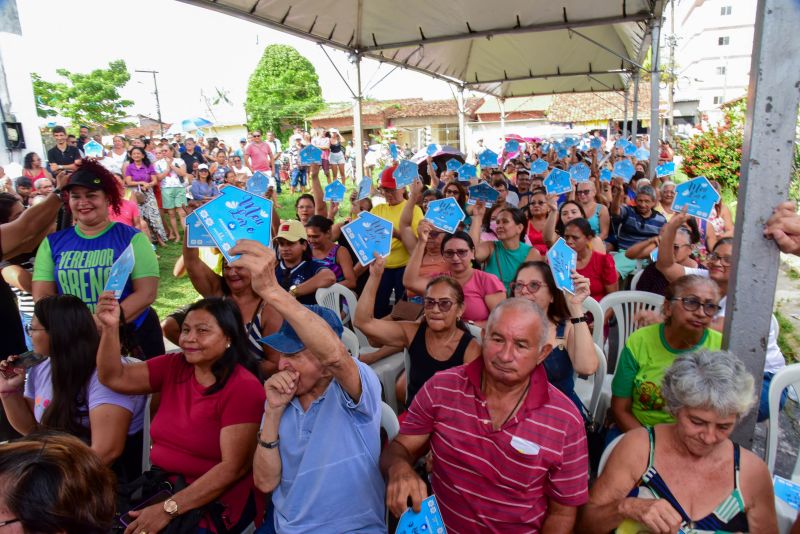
387	180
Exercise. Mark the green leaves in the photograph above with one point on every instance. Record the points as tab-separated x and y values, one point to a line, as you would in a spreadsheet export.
92	98
283	90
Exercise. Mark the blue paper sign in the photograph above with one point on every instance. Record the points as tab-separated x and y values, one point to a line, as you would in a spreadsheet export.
369	234
484	192
666	169
605	175
570	142
427	521
453	164
467	172
258	183
393	150
335	191
311	155
580	172
93	149
630	149
120	271
621	143
698	195
546	148
624	169
561	153
405	173
235	215
642	154
364	188
487	159
198	237
432	149
445	214
539	166
596	143
512	146
563	260
557	182
785	490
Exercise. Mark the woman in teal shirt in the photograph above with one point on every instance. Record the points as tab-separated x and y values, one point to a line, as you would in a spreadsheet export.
503	257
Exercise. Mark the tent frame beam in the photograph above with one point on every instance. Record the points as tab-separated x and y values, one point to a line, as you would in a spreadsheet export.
607	49
549	75
642	16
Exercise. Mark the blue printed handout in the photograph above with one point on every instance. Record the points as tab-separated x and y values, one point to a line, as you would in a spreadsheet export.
570	142
546	148
467	172
453	164
445	214
235	215
310	155
120	271
596	143
258	183
93	149
561	152
642	154
539	166
405	173
432	149
605	175
364	188
629	149
622	143
487	159
512	146
197	235
484	192
335	191
427	521
666	169
563	260
698	195
393	150
369	234
557	182
654	255
580	172
624	169
785	490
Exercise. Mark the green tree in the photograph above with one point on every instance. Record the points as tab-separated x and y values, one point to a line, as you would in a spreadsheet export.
283	90
91	99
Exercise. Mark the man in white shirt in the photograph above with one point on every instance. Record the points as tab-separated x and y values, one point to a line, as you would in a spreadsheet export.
171	172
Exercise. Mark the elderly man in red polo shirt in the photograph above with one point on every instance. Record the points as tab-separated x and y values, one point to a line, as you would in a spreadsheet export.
509	449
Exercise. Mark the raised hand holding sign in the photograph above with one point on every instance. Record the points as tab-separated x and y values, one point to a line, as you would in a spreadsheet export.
311	155
539	166
467	172
405	173
488	159
697	195
120	271
557	182
666	169
445	214
235	215
624	169
563	260
335	191
483	192
197	236
369	234
580	172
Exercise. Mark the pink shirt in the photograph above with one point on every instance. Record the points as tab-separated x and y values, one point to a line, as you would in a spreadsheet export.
477	287
260	155
484	481
128	212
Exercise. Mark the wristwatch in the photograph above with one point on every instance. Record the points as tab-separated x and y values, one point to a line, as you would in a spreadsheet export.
578	320
268	444
57	191
171	507
293	291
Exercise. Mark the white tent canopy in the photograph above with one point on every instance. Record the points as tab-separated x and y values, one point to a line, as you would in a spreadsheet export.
507	48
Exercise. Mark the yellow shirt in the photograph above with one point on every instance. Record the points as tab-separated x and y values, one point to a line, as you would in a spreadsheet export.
398	257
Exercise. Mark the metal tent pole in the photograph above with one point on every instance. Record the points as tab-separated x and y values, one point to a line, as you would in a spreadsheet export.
635	118
462	121
502	103
625	115
357	128
767	153
655	79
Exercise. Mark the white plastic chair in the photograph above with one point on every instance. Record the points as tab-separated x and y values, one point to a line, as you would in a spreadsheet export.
607	452
389	421
637	275
625	305
388	369
592	306
475	330
350	341
591	390
786	377
331	298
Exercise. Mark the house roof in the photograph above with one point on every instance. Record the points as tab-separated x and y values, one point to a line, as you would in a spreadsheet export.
401	108
587	107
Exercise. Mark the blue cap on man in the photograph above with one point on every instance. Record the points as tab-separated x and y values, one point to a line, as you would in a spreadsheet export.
286	341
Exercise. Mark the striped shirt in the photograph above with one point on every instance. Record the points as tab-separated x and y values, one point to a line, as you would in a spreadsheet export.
490	480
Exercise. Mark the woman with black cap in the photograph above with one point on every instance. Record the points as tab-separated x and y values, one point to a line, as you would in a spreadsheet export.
77	260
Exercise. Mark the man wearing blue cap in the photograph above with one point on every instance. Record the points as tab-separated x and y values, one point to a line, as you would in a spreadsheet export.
319	443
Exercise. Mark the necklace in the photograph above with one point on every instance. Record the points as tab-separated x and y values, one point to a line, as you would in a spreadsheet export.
516	406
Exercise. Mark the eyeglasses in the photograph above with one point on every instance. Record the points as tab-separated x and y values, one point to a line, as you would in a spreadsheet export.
256	135
583	192
451	192
725	261
532	287
444	305
29	328
538	203
450	254
691	304
9	522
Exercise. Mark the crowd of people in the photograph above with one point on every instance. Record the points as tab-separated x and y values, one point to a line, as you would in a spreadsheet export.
264	417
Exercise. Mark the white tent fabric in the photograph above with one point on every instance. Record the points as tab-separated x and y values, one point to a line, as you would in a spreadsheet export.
506	48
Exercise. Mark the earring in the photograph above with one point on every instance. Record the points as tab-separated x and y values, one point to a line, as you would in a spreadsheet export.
228	346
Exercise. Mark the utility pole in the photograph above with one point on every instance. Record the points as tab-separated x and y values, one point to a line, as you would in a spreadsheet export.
158	103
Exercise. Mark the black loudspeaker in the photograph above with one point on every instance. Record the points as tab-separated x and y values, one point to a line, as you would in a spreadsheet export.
15	139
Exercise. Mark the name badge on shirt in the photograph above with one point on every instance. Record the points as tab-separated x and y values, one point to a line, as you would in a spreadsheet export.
524	446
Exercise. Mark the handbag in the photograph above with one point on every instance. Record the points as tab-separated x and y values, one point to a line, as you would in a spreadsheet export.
404	310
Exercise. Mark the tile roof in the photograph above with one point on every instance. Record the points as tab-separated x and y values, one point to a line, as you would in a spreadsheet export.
393	109
587	107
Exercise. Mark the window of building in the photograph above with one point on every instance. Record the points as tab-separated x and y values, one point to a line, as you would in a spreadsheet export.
724	41
718	100
725	10
721	71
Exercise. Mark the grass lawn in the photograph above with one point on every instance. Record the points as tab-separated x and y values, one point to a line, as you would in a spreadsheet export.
176	292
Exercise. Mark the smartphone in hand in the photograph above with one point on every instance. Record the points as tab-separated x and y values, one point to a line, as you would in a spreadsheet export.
26	360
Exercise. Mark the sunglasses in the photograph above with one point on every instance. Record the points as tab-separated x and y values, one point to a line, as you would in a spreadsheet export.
532	287
538	203
691	304
450	254
444	305
583	192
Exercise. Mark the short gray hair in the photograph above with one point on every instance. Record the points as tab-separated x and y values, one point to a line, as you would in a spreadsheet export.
665	184
714	380
525	305
646	190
